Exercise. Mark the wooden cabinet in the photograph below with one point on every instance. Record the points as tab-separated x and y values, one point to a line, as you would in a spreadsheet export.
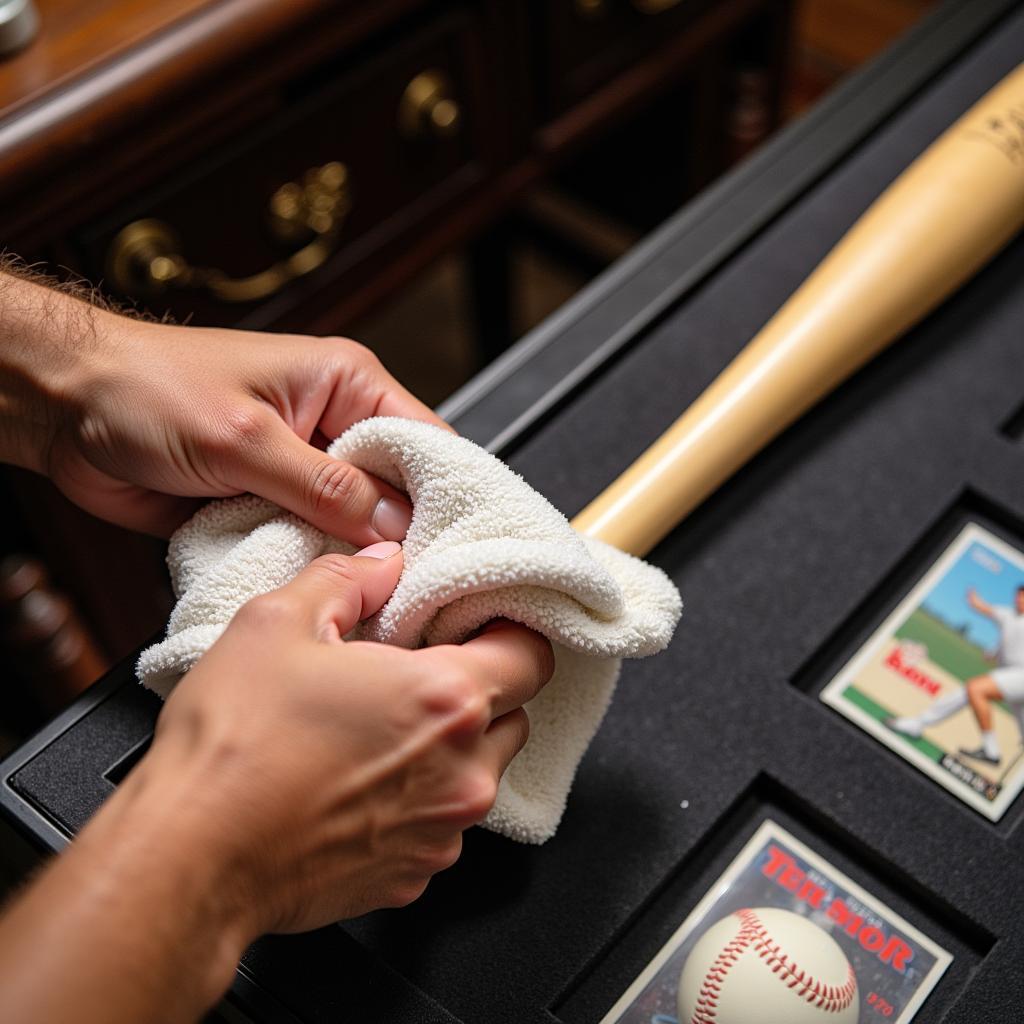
391	157
200	118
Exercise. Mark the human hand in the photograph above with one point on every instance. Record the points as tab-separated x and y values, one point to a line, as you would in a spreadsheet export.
333	778
293	780
142	420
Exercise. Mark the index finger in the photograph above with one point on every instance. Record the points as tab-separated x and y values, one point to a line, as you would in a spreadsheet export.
512	662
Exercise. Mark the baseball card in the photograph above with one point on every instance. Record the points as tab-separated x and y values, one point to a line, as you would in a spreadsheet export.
784	936
941	681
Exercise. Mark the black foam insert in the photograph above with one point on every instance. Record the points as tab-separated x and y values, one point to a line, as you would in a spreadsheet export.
70	777
770	569
1013	426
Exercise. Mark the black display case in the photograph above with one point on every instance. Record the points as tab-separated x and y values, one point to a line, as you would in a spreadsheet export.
783	573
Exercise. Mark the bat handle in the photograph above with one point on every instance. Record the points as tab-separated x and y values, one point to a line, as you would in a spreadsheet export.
943	218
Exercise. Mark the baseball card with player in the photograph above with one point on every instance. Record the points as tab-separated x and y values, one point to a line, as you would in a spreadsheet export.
941	681
783	937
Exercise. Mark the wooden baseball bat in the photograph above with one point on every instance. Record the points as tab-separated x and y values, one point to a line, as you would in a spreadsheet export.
941	219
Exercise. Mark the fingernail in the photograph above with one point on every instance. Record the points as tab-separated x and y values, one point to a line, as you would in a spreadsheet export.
382	549
391	518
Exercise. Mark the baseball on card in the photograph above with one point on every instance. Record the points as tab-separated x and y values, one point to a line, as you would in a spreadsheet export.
941	681
783	936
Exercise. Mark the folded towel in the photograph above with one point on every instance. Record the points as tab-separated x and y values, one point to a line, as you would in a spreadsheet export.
482	545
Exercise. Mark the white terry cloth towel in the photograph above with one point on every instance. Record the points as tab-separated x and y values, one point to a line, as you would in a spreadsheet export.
482	544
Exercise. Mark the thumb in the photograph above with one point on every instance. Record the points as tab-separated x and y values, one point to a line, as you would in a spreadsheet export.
337	591
338	498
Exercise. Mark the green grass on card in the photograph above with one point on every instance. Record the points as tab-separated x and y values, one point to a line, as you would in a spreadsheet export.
946	647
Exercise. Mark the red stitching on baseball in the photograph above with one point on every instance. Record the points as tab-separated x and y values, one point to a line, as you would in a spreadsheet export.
830	998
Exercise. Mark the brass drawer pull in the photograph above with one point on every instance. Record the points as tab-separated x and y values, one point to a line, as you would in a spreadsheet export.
145	257
427	107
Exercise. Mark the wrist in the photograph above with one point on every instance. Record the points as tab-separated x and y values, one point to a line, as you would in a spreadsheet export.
157	850
139	920
51	345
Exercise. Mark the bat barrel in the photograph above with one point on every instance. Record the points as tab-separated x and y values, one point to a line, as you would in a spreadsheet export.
935	226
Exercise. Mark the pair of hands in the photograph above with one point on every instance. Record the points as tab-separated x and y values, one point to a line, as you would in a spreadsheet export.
315	779
346	772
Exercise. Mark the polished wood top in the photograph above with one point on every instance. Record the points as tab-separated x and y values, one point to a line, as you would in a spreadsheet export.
75	37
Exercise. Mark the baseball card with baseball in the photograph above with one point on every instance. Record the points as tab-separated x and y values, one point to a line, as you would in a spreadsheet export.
941	681
783	937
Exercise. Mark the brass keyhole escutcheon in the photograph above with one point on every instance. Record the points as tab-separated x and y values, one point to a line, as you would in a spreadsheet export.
144	258
428	108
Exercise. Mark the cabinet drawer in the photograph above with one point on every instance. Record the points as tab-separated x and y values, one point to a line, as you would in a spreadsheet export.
588	41
386	141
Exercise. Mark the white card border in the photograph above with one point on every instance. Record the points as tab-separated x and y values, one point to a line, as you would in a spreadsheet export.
767	831
832	694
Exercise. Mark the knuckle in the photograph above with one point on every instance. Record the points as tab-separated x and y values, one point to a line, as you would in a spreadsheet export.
334	486
406	892
455	691
359	352
363	365
236	435
267	611
476	795
450	853
336	568
354	359
440	857
244	426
